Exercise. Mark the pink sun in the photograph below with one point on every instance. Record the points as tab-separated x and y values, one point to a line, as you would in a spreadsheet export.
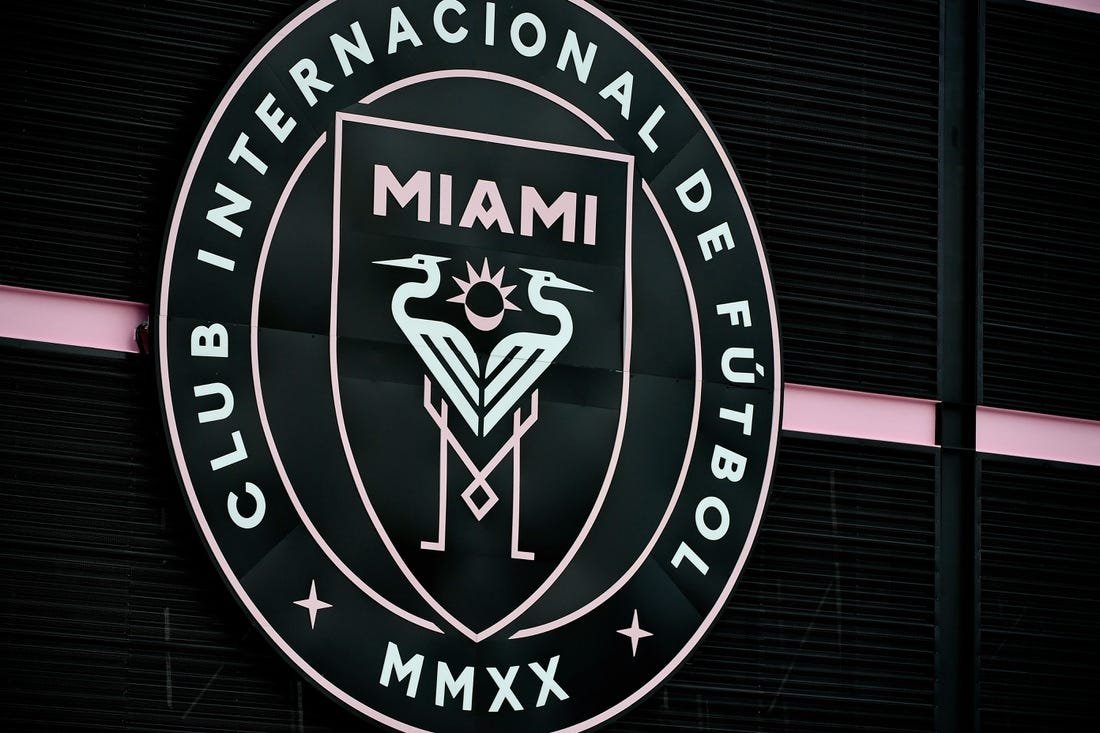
481	281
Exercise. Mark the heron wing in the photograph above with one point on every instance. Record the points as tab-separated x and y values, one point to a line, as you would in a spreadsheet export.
452	363
506	359
515	365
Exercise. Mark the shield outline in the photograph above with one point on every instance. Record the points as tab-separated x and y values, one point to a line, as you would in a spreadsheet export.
628	161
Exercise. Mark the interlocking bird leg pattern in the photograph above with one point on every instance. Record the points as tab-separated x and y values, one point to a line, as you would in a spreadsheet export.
448	441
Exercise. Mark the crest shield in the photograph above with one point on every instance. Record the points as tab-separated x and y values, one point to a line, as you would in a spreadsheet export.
480	346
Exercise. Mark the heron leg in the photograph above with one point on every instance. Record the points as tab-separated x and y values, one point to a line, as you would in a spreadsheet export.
519	428
440	419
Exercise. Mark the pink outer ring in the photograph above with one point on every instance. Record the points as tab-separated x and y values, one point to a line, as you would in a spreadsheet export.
170	420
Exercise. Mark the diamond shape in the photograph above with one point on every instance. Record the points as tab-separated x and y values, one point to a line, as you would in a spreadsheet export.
488	502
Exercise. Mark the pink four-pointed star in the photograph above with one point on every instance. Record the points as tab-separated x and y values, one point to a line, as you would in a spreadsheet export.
634	633
313	604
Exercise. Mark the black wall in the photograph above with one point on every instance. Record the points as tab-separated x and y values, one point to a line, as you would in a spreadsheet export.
113	618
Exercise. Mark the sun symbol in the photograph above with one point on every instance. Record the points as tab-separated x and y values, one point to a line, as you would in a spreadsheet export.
485	297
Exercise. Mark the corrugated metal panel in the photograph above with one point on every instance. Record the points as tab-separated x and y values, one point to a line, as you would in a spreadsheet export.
1042	218
66	478
111	615
103	101
1039	656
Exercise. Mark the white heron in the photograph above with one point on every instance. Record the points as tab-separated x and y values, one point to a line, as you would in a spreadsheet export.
514	364
520	358
445	351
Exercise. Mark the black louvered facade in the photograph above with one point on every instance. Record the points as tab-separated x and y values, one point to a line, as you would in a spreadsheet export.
1041	214
1040	553
1038	647
113	618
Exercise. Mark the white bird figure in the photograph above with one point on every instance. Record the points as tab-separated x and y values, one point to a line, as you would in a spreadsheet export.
446	352
515	363
520	359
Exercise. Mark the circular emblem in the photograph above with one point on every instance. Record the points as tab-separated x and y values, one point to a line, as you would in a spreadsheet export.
469	360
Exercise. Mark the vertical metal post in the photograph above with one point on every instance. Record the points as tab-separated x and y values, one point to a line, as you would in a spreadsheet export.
959	350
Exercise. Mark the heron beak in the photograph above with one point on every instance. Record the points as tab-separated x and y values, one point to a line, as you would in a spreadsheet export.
566	285
407	262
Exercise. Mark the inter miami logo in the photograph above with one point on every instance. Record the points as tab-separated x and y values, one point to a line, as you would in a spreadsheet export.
513	297
469	360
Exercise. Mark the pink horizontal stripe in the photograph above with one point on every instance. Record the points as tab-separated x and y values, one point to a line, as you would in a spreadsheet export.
1089	6
847	414
72	320
100	323
1030	435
